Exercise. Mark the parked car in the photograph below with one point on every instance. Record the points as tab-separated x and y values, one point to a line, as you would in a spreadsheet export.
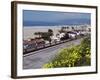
33	44
65	37
72	35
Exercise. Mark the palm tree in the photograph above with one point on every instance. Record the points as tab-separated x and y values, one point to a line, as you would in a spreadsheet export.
50	32
63	29
72	28
38	33
67	27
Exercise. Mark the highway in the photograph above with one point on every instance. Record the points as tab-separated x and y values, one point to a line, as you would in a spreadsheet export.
37	59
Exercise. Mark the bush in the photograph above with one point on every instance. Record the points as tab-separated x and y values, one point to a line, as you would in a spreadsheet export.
69	57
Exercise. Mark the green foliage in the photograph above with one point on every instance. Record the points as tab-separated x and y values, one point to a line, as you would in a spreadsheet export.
50	32
62	30
75	56
45	35
38	33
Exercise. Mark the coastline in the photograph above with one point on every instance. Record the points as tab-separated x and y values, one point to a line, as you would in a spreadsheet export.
28	32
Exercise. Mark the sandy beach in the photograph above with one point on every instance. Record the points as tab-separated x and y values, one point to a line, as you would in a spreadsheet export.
28	32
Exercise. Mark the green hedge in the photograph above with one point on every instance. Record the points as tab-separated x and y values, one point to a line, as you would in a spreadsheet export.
75	56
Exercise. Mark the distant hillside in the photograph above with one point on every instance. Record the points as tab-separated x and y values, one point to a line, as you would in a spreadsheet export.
63	22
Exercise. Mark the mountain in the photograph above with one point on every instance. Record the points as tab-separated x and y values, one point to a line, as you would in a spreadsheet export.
61	22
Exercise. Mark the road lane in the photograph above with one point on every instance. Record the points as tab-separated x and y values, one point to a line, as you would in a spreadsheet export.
37	59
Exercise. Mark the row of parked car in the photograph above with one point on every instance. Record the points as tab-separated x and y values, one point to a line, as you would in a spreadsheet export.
68	35
37	43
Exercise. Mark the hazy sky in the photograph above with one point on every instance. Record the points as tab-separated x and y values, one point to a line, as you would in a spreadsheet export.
35	18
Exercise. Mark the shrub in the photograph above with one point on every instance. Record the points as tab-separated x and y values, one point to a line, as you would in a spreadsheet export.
75	56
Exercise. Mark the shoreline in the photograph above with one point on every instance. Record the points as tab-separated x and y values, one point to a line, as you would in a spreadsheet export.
28	31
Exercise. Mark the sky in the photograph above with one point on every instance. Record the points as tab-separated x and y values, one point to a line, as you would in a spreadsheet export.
53	18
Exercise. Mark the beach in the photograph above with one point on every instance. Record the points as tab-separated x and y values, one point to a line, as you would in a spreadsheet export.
28	32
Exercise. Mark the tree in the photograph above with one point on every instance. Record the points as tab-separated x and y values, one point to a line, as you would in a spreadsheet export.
72	28
63	29
50	32
67	27
45	35
38	33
